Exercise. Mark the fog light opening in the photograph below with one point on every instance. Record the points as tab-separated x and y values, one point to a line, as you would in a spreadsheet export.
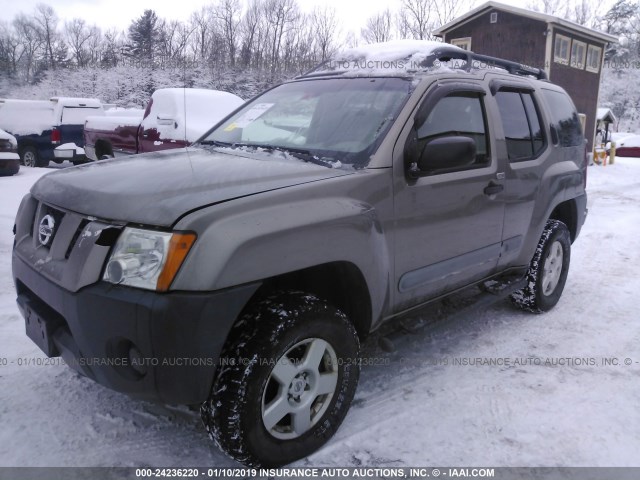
137	361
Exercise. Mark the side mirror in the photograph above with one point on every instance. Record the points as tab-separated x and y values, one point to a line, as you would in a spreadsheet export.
446	153
162	119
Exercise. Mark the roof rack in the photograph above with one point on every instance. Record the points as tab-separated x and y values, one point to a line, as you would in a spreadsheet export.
445	53
474	59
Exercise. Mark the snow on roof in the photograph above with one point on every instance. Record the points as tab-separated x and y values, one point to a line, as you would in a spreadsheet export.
26	117
195	110
112	122
605	114
32	117
630	141
543	17
397	56
77	101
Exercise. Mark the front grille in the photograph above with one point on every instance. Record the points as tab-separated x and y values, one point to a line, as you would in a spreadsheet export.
47	225
73	241
61	245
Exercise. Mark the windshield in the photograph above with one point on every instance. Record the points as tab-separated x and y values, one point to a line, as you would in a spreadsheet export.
332	120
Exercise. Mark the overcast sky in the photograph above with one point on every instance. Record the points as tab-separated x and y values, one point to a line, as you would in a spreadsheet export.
352	14
119	13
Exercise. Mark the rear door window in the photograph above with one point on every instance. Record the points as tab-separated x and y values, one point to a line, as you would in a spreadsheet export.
521	125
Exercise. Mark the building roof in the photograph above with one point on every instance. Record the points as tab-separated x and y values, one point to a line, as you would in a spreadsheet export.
605	115
543	17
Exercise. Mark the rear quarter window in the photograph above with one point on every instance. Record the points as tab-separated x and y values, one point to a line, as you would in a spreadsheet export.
564	118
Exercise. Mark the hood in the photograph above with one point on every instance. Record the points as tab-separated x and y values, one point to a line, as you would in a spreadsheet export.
158	188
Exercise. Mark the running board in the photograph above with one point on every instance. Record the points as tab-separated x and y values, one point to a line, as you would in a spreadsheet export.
491	291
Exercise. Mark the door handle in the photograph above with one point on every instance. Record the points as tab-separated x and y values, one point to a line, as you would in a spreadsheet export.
493	188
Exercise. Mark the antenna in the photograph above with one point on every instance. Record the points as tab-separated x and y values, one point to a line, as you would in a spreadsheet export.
184	107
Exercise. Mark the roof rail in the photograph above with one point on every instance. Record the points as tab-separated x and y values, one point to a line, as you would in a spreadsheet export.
474	59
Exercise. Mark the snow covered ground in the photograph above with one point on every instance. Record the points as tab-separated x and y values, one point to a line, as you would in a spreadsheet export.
416	410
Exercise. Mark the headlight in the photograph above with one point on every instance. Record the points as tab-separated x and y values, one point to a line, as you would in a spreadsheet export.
147	259
7	146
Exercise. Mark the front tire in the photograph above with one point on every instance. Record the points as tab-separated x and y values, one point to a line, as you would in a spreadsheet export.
286	379
548	270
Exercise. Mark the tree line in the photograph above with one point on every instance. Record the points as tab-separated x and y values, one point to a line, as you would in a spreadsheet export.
273	37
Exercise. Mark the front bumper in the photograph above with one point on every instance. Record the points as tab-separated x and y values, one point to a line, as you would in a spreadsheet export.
177	336
9	166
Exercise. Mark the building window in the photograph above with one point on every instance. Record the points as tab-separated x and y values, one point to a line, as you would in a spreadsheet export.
561	49
493	18
464	43
578	54
594	55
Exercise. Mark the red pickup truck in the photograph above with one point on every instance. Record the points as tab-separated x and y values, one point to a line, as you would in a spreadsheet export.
174	118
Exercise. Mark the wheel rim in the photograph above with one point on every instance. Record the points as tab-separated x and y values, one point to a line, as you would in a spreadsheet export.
552	269
299	388
29	159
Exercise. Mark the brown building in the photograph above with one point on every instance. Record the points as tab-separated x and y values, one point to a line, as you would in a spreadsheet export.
572	55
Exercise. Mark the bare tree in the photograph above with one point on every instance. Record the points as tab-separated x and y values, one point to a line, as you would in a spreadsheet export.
559	8
414	19
351	40
174	39
283	16
30	43
47	20
228	15
200	24
11	50
249	31
378	27
79	36
93	44
446	10
325	30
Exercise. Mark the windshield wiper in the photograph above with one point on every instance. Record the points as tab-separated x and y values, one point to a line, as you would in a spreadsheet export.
216	143
299	153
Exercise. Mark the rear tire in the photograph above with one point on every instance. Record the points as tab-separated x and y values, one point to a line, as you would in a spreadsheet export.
286	379
548	270
30	158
